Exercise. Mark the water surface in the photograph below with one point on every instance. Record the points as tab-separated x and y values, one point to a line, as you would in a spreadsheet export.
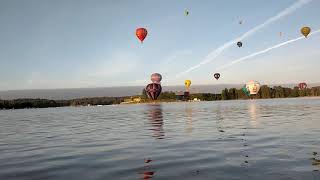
251	139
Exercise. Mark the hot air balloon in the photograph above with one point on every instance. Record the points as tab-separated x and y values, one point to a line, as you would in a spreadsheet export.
156	78
216	75
187	84
239	44
280	34
305	31
240	22
302	85
141	34
186	12
245	91
253	87
153	90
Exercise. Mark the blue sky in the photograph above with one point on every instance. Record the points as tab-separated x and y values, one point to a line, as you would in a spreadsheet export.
80	43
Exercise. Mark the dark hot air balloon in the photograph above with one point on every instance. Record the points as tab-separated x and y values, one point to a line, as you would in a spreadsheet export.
302	85
186	12
217	76
239	44
153	90
141	34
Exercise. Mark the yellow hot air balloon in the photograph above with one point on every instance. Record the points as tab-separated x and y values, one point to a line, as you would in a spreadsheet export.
187	83
305	31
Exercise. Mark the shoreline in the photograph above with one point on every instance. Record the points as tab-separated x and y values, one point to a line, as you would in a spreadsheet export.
265	92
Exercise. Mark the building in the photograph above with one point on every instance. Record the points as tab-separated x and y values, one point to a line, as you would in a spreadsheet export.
182	96
179	95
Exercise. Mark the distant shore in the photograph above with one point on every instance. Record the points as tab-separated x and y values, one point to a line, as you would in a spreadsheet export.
226	94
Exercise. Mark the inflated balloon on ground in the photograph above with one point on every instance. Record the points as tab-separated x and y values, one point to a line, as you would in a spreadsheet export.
253	87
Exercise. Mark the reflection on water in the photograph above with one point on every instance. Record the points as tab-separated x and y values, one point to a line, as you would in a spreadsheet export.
316	160
219	118
147	171
156	120
121	142
188	111
253	110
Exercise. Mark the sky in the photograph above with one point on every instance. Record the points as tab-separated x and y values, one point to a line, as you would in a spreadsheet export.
47	44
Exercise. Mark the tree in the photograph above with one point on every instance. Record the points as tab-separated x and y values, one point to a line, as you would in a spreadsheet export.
265	92
224	94
144	93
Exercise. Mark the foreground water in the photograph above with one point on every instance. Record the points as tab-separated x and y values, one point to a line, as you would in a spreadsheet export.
261	139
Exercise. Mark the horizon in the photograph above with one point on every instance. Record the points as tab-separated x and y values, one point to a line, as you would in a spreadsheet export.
93	44
105	87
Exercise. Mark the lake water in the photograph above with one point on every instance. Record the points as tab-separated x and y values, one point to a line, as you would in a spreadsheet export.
252	139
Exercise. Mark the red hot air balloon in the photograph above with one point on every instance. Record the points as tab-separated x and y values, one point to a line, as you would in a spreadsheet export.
156	78
153	90
302	85
141	33
217	76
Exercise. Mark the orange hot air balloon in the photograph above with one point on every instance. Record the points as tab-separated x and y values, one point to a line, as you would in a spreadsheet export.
141	33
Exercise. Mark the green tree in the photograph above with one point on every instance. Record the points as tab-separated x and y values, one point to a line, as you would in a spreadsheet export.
144	94
265	92
224	94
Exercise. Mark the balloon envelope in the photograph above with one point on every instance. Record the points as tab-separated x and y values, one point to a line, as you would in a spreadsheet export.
245	91
156	77
217	76
153	90
302	85
187	83
141	34
239	44
253	87
186	12
305	31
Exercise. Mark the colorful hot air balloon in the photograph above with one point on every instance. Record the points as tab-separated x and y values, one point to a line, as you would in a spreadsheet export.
302	85
305	31
153	90
253	87
239	44
156	78
141	34
245	91
187	84
216	75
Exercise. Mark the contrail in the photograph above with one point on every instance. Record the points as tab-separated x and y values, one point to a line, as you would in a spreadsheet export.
264	51
211	56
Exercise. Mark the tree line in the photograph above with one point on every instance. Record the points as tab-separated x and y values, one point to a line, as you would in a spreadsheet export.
226	94
270	92
45	103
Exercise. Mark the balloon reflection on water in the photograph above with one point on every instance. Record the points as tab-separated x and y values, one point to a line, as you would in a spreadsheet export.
253	111
188	111
155	118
